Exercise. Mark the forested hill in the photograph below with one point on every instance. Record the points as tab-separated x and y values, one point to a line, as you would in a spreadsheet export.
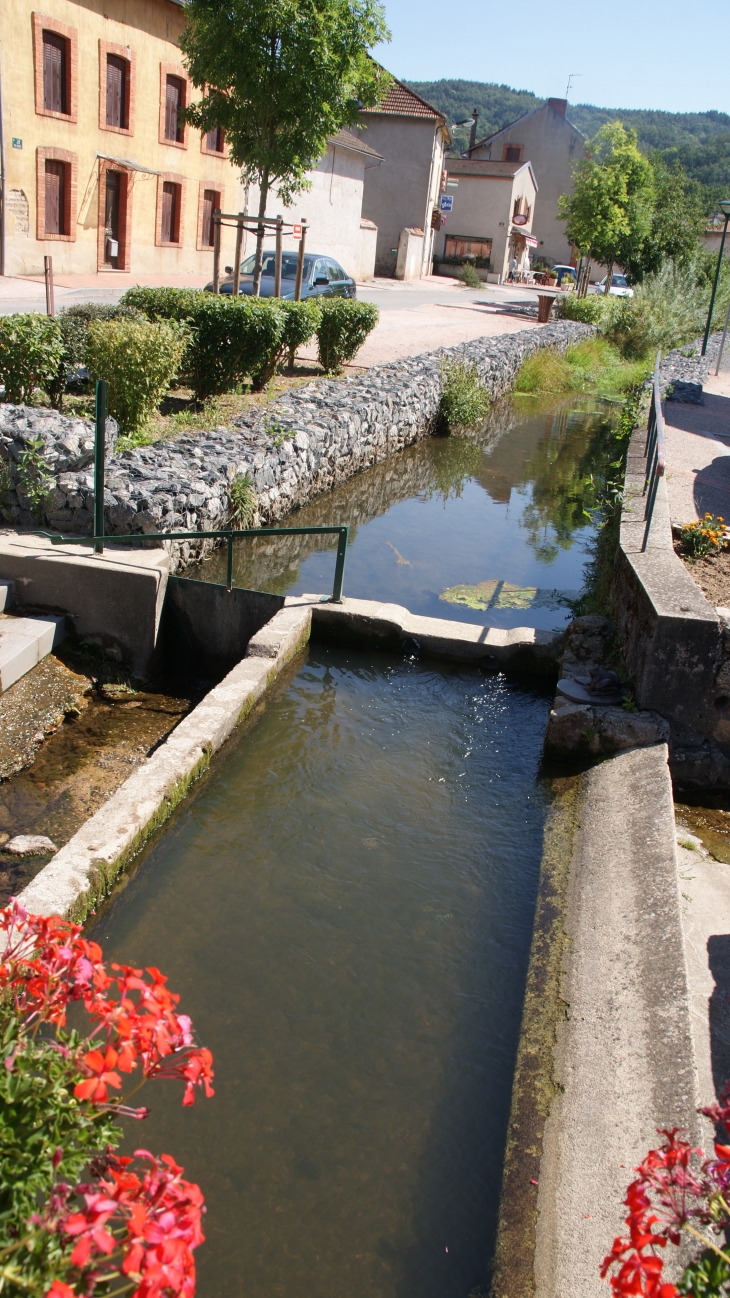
701	141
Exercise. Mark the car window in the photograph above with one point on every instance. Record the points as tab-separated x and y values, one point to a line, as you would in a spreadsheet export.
320	268
336	273
619	281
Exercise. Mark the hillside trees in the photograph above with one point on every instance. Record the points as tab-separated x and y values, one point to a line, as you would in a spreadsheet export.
280	77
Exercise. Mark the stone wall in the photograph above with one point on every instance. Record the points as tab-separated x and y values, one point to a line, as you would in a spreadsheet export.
307	442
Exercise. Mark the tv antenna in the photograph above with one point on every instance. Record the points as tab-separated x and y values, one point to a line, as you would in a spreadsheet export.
572	77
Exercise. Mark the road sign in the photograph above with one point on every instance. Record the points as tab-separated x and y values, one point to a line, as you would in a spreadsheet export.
296	232
447	202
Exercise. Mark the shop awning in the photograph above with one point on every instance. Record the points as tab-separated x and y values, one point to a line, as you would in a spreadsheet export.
529	239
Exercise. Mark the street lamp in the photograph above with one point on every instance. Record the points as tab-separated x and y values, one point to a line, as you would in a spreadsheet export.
725	209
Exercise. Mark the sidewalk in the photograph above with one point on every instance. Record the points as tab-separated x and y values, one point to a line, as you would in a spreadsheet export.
698	451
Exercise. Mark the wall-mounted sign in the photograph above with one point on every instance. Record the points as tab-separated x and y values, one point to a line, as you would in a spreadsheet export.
520	219
447	202
296	232
17	144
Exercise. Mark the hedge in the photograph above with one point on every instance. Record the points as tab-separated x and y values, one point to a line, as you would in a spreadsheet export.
31	347
344	326
137	359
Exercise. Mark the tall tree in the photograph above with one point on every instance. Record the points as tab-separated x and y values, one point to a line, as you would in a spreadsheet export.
677	221
280	77
613	197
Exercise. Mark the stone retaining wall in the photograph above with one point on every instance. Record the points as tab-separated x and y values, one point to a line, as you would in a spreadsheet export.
307	442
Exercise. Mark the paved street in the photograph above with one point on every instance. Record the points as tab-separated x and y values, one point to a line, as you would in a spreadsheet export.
415	317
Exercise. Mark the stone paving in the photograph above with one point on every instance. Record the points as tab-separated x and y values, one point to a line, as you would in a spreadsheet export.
698	447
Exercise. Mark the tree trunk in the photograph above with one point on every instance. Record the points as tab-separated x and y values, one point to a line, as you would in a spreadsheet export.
260	232
609	278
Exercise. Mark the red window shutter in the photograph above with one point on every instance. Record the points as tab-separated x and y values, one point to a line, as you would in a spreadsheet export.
55	72
214	140
170	227
210	202
55	215
116	84
173	107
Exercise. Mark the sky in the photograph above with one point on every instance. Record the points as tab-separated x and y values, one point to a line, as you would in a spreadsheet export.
651	54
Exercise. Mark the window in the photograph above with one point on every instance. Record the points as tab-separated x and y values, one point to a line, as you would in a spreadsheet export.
170	222
117	77
214	141
55	73
512	153
56	181
458	245
174	104
336	273
211	200
55	63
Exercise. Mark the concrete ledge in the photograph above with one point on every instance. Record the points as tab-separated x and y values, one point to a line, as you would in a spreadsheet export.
391	627
81	874
606	1053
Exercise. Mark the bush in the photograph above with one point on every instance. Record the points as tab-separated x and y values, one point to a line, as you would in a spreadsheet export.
243	501
593	365
468	276
31	347
343	328
301	321
668	309
231	339
137	359
588	310
463	398
74	324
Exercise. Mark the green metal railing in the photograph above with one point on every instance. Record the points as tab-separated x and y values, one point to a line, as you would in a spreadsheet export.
227	534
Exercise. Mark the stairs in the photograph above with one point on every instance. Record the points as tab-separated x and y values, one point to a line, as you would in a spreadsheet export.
24	640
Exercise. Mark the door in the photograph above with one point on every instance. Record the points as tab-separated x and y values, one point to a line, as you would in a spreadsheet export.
116	84
111	217
55	197
321	271
338	280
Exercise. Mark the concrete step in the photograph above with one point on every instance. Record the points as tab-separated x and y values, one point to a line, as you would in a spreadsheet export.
24	641
6	594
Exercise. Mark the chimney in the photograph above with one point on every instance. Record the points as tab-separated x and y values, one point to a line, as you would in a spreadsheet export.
558	106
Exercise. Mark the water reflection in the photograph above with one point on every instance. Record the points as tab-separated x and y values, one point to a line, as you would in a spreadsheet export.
511	503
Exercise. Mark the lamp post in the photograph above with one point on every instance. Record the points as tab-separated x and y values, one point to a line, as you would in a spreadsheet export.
725	209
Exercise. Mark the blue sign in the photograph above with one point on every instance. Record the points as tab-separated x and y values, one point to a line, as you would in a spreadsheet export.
447	203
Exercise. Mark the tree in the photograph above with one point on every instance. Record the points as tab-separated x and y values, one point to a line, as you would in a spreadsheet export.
279	77
677	221
613	197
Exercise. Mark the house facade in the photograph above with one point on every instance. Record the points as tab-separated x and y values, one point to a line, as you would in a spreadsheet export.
400	196
101	174
493	213
553	146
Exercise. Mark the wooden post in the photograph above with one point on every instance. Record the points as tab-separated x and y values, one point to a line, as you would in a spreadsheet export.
237	262
48	274
217	250
277	258
300	263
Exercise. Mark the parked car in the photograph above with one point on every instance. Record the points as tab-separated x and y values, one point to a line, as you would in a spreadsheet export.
619	287
321	277
565	272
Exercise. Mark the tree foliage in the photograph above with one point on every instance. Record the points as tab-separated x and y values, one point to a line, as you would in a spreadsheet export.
612	202
677	221
280	77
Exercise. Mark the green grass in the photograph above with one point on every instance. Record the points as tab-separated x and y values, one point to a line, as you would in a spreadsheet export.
591	366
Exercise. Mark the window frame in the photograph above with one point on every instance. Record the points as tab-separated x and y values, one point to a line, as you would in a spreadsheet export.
40	23
505	147
218	189
70	161
163	178
128	54
125	219
214	153
173	70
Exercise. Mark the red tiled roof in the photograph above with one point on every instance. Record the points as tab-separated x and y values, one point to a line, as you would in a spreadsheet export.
349	140
400	101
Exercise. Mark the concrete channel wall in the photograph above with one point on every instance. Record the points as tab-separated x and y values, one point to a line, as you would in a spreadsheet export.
308	441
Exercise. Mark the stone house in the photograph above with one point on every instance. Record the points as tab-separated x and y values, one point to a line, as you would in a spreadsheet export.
493	213
100	173
400	196
547	139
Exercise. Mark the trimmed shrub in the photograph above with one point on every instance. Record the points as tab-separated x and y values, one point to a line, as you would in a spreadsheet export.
343	328
586	309
31	347
469	277
74	323
464	399
137	359
301	322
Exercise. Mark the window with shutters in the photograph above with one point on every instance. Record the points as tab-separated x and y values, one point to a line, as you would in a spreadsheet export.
55	73
56	185
174	104
211	200
214	141
170	224
512	153
55	197
117	92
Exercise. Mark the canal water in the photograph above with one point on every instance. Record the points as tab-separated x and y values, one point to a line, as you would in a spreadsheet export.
344	904
493	528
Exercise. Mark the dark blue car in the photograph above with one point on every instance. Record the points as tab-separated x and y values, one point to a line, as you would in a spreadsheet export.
322	277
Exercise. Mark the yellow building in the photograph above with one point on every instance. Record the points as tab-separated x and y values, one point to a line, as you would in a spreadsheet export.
98	171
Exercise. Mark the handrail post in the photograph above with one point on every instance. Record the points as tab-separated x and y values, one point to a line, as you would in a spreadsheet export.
340	565
217	250
237	261
99	466
277	257
229	578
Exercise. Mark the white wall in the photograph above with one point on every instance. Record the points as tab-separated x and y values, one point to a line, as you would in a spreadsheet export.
483	207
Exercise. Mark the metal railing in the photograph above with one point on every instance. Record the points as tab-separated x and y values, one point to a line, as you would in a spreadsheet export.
655	451
227	534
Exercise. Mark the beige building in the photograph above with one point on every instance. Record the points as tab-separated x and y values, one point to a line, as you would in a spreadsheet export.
400	195
545	138
493	213
100	173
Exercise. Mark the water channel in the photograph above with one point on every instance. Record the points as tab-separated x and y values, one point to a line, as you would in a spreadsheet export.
489	529
345	901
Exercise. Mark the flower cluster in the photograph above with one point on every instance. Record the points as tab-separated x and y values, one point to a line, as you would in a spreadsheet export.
704	535
128	1230
677	1189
